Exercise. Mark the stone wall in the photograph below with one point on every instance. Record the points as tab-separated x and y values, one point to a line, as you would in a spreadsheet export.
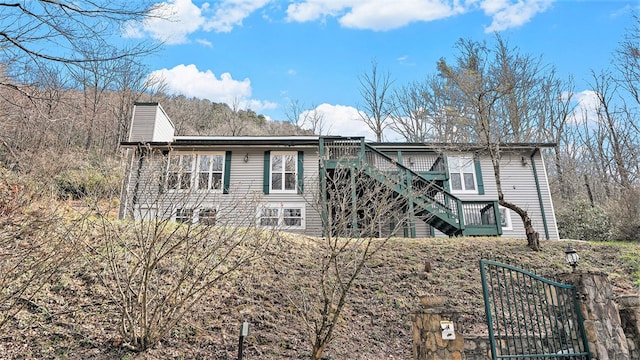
602	323
629	309
430	342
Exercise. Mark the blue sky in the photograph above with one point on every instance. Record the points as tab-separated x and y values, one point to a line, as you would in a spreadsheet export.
263	54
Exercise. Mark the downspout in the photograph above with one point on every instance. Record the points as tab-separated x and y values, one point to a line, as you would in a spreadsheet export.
323	190
540	202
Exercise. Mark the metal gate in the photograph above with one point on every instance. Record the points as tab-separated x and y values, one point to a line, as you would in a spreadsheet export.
530	317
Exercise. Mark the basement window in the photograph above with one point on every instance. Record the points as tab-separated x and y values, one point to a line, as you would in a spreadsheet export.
505	218
184	215
282	215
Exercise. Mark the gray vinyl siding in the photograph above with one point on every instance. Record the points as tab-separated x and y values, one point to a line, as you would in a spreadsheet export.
248	178
423	230
547	201
150	124
239	206
519	187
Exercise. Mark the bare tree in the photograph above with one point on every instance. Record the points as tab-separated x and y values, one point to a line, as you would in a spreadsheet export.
308	119
558	97
421	113
501	91
627	60
358	211
616	130
375	112
35	32
293	112
183	245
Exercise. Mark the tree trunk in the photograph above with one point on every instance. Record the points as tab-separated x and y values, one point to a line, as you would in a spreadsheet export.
318	350
533	237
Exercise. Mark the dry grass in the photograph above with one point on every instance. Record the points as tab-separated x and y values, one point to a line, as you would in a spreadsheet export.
74	318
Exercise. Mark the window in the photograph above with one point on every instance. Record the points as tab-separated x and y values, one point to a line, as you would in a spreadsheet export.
283	171
179	172
196	171
282	215
462	174
184	215
292	217
505	218
210	169
269	216
207	216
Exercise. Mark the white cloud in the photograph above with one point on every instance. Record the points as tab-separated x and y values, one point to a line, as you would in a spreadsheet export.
345	120
386	15
204	42
586	109
379	15
312	10
170	22
187	80
230	13
382	15
509	14
173	21
341	120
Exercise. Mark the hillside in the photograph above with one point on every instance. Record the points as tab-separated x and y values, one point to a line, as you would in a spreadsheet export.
74	318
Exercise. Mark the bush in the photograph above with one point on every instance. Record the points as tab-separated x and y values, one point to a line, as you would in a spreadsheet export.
626	215
579	220
87	181
35	243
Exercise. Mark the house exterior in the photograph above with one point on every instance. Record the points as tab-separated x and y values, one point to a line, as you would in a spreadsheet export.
283	181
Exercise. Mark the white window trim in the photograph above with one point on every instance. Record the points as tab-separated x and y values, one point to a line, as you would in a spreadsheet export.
295	172
196	175
281	207
506	216
195	171
179	171
473	172
193	216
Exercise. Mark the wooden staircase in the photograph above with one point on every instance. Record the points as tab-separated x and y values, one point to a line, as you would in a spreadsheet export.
424	191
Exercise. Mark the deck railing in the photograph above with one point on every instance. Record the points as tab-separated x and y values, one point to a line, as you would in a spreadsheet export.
479	213
409	182
418	186
342	149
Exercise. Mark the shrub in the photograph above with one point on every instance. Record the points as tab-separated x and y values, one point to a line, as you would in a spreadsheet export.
579	220
35	243
87	181
625	213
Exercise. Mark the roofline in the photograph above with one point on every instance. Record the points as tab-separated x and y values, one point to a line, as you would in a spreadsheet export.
459	146
180	141
246	138
203	141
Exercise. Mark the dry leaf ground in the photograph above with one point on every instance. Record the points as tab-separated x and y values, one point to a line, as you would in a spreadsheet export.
73	318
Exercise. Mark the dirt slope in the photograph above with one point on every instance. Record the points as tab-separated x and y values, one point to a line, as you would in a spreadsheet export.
74	318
